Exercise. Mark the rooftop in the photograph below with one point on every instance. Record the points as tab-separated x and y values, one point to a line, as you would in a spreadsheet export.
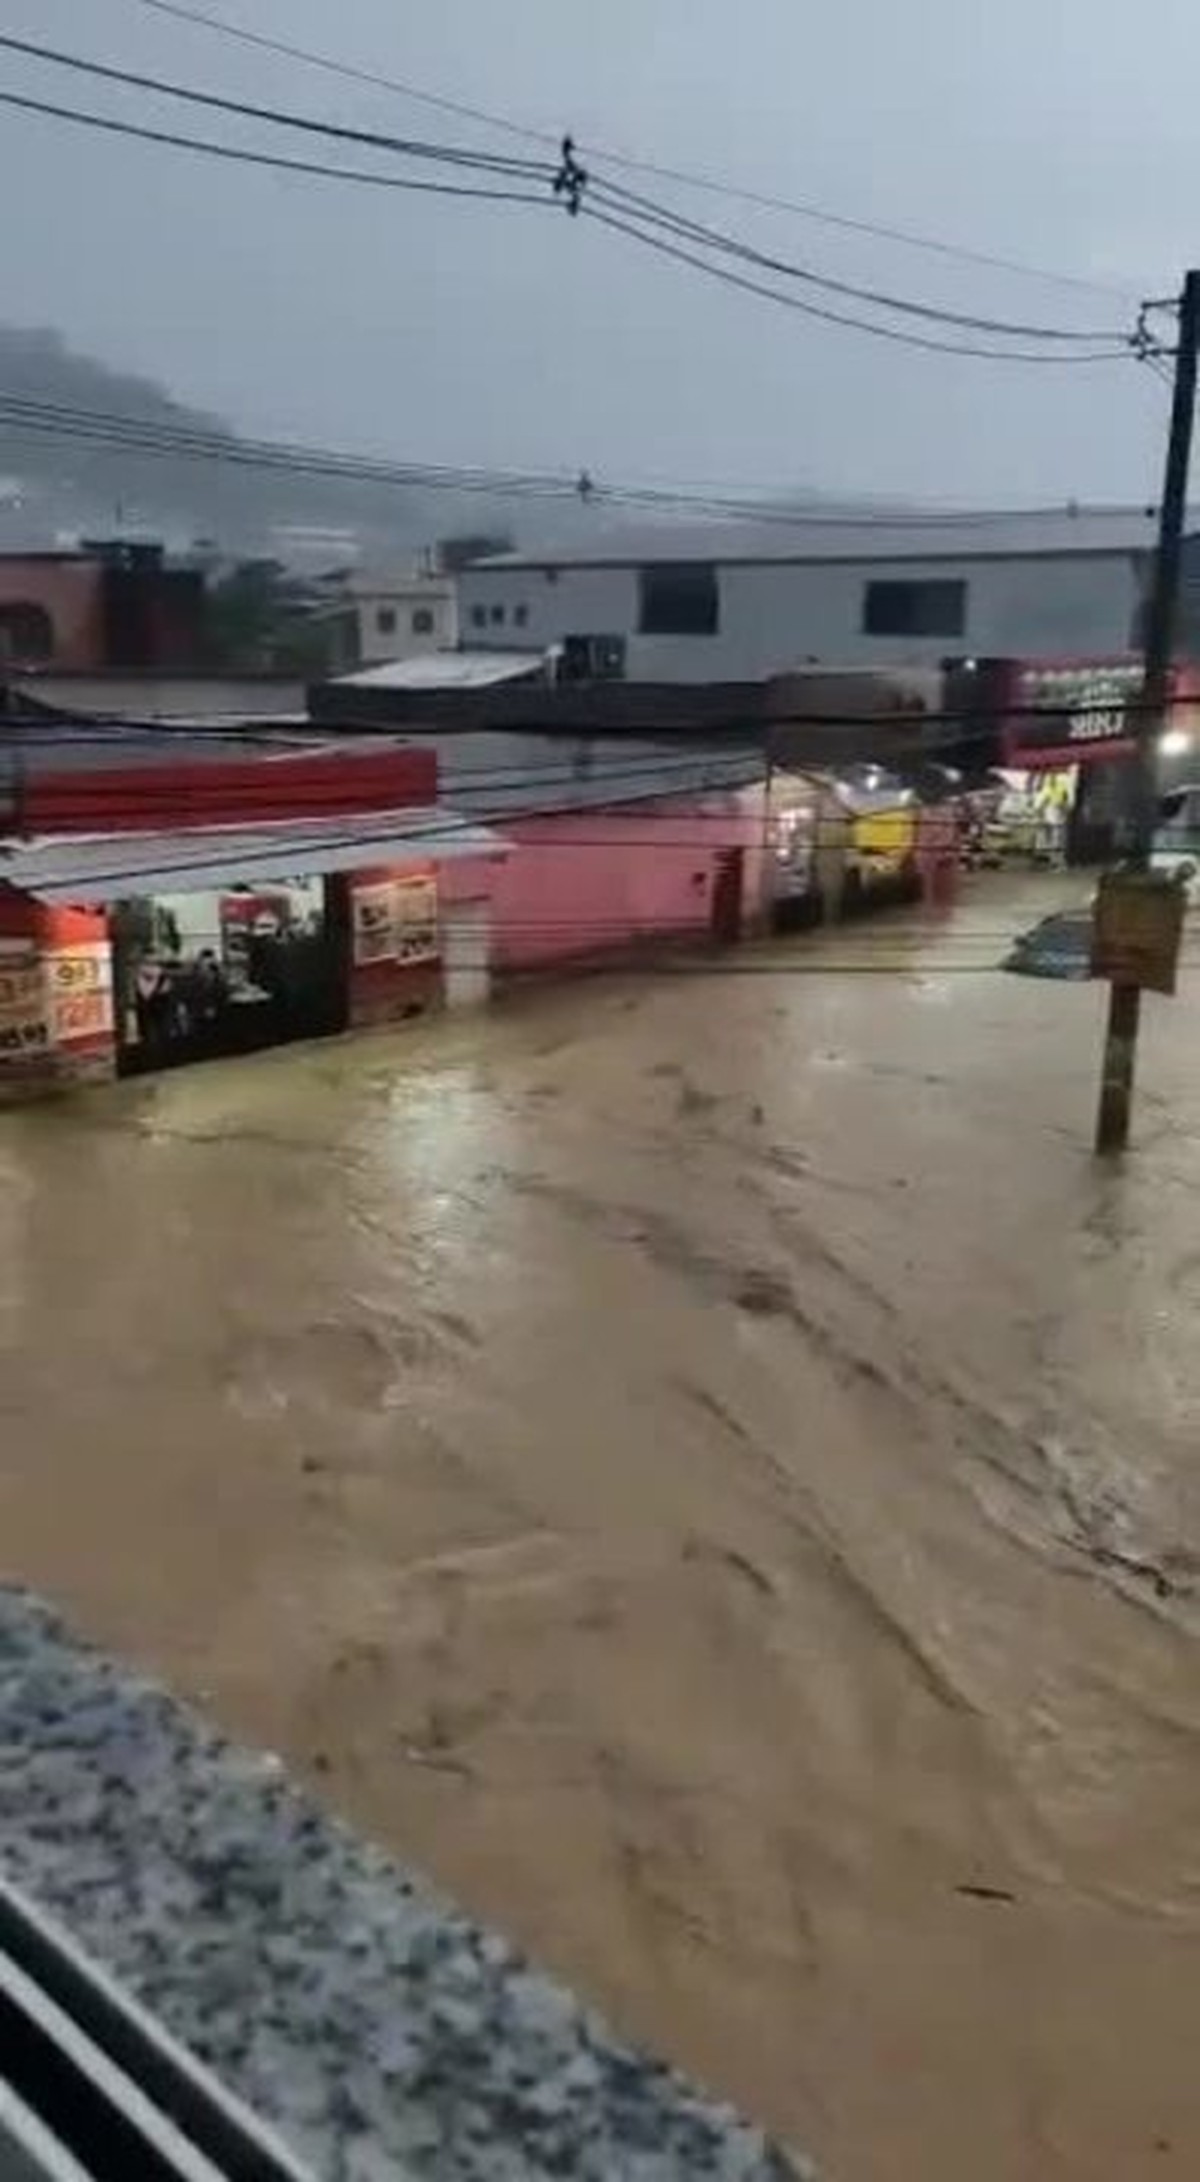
484	773
397	582
492	774
951	534
157	694
445	670
102	867
31	749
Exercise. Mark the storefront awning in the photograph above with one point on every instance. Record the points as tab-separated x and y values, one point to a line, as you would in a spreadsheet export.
95	868
1058	757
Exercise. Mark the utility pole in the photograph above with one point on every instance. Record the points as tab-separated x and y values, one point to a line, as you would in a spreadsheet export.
1125	1000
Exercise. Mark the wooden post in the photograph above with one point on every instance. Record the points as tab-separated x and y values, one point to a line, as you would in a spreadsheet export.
1125	1000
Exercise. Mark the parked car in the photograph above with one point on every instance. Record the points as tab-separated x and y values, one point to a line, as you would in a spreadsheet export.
1176	848
1057	946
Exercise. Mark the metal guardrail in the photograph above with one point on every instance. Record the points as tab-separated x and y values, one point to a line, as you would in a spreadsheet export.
93	2089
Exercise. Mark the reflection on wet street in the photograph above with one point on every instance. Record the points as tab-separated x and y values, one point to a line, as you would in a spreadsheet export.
706	1466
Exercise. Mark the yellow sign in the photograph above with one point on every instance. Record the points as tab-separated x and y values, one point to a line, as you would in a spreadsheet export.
50	1000
1136	929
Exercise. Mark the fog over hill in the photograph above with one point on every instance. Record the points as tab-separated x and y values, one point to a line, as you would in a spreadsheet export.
59	482
63	477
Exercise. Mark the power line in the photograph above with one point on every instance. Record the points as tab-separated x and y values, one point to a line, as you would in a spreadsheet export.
631	203
347	70
616	933
84	119
149	436
905	737
689	178
154	436
422	835
653	778
972	944
643	226
658	242
276	117
905	236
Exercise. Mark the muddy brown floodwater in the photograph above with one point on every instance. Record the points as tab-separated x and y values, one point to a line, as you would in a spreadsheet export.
708	1468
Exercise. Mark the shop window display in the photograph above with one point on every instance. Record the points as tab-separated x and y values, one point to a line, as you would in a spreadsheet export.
221	971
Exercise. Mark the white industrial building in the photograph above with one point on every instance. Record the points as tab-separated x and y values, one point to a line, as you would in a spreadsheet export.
402	616
730	602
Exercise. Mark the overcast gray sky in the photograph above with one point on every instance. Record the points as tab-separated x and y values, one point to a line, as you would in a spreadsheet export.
466	334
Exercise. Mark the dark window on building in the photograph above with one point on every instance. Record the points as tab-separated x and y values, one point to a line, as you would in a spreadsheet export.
26	632
679	601
497	616
479	617
385	620
422	621
521	616
917	608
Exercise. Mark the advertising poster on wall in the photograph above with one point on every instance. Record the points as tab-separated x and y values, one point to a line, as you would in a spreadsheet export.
374	923
24	1025
416	924
395	920
79	994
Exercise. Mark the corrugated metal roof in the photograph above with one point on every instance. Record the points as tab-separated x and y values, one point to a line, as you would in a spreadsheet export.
948	536
493	774
32	749
444	670
482	773
167	697
103	867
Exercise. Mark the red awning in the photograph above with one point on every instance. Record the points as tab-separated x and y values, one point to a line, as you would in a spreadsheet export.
1056	758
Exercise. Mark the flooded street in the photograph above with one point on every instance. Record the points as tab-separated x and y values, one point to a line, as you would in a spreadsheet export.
706	1466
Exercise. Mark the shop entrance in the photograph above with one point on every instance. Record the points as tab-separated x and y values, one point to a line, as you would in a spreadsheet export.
1099	817
218	972
1070	814
726	921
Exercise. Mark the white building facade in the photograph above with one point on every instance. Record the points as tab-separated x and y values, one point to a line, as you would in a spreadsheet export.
730	603
404	617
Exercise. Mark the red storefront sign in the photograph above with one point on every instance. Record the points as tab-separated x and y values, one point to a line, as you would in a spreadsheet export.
1070	712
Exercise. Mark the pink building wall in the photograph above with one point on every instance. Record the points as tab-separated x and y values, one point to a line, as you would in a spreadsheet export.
580	882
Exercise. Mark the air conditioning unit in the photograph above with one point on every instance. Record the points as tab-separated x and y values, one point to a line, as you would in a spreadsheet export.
592	659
